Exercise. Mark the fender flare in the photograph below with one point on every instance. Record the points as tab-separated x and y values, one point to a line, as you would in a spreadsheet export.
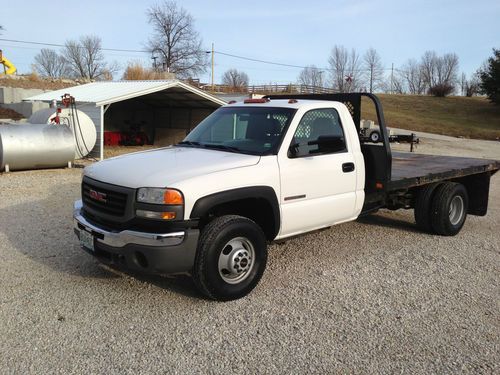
204	204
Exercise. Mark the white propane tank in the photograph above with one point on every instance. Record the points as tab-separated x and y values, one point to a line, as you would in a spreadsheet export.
85	135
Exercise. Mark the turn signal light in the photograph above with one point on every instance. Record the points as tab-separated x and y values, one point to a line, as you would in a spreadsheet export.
173	197
168	215
155	215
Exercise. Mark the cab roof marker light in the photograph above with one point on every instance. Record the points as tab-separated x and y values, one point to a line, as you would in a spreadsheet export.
256	101
293	101
232	102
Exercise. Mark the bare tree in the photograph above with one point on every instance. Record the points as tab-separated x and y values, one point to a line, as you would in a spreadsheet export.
310	76
412	76
440	73
86	59
396	85
235	79
472	86
50	64
344	69
373	66
175	40
428	66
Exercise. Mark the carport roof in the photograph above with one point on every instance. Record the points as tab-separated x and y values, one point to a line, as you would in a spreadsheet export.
107	92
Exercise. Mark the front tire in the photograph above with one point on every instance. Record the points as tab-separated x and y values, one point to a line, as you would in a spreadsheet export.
449	208
231	258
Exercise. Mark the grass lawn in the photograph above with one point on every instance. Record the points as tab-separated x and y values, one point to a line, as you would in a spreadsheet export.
455	116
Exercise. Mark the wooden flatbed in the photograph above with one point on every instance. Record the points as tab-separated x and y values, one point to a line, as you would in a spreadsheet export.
410	169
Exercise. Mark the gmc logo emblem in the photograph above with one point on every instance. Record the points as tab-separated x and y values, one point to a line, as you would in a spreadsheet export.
98	196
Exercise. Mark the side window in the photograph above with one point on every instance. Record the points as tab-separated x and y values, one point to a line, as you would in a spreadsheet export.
319	132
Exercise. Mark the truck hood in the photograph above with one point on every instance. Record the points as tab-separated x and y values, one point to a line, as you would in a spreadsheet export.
163	167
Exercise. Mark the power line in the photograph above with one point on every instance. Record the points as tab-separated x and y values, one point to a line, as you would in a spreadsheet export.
217	52
291	65
62	45
260	61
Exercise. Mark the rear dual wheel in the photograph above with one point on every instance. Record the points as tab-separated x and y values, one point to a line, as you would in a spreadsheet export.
423	204
442	208
449	209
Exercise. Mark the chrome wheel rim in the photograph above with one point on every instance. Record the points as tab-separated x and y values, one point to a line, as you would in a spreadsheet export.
456	209
374	137
236	260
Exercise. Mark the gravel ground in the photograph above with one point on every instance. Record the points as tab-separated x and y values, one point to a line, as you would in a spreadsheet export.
372	296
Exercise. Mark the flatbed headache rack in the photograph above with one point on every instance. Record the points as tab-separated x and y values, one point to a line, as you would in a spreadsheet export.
389	176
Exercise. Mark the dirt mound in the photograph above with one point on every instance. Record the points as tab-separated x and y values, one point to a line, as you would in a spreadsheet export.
9	113
35	82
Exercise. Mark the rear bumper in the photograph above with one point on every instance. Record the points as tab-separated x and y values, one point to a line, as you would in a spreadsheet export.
156	253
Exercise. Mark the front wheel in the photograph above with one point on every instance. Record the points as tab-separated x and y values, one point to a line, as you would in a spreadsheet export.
231	258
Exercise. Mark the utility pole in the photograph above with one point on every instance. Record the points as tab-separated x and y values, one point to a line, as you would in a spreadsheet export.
213	67
392	76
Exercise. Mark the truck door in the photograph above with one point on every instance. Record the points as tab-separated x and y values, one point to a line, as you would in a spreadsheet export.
317	173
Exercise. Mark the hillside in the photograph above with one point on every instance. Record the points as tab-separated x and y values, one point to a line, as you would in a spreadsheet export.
35	82
456	116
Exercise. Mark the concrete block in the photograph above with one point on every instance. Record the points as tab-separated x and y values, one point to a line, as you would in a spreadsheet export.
9	95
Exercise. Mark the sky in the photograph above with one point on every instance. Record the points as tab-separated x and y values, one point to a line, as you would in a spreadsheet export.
290	32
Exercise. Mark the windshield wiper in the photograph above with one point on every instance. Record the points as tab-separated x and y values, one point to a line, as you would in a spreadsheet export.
189	143
222	147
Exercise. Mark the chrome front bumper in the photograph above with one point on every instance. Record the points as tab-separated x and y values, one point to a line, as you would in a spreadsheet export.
125	237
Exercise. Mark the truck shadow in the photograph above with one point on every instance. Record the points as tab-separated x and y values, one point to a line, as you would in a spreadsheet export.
379	219
42	231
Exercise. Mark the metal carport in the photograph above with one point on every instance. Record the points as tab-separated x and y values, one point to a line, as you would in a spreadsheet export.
165	104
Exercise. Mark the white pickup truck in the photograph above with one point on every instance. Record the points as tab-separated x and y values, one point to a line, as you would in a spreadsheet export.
258	171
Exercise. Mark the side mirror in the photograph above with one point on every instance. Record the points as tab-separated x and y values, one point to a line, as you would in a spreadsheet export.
293	150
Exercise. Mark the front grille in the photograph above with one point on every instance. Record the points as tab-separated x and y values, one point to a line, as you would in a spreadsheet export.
114	203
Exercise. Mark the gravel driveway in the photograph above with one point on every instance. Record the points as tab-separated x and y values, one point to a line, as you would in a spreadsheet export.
372	296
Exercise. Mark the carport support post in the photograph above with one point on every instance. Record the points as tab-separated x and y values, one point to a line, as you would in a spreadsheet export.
101	140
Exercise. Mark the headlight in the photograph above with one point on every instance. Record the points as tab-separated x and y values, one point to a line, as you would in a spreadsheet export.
160	196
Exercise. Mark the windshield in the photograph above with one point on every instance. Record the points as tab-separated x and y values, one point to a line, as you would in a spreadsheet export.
248	130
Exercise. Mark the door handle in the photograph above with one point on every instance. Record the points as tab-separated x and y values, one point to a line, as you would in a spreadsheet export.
347	167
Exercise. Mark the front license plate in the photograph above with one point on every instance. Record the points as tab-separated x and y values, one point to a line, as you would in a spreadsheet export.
87	240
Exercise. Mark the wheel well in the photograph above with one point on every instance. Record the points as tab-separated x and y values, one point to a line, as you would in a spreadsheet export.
257	209
477	186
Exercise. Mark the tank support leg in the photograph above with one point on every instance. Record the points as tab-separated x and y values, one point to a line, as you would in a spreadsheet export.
7	168
69	164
